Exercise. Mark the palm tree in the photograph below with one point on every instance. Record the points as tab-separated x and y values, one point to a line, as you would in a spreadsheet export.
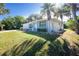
73	9
67	10
47	8
59	13
64	10
34	17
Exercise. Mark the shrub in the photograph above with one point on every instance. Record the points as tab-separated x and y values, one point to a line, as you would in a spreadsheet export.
71	24
77	27
42	30
13	22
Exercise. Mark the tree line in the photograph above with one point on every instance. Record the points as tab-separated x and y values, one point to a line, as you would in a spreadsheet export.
67	9
10	23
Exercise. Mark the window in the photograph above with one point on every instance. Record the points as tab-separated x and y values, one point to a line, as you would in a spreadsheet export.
30	25
42	24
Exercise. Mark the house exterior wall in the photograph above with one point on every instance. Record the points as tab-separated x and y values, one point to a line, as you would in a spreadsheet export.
56	27
35	26
50	26
25	26
53	26
41	24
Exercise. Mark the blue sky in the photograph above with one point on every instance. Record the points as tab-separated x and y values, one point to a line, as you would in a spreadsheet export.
22	9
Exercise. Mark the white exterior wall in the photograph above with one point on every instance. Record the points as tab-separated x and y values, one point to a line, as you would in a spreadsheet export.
25	26
50	26
34	27
56	26
53	26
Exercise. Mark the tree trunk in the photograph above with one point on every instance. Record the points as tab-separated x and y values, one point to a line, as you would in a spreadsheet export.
74	11
48	15
61	16
74	8
49	18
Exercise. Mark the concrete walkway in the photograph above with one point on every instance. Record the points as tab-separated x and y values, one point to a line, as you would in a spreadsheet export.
7	31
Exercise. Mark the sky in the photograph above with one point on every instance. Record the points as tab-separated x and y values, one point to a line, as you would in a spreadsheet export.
22	9
25	9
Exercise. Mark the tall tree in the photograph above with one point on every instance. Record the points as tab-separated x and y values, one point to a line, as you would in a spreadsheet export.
33	17
13	22
60	12
3	11
73	9
67	10
19	20
47	8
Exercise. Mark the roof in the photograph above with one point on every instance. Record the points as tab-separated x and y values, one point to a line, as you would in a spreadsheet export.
54	20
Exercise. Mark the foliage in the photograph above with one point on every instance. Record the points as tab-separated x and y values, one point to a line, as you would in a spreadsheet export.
73	9
13	22
42	30
3	9
65	26
19	20
33	17
70	24
47	8
77	25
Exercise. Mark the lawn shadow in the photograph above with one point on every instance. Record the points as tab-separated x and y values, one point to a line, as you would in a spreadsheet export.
27	48
65	49
19	49
35	48
76	49
58	49
45	35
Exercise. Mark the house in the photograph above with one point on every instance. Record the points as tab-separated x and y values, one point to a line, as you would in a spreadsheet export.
52	25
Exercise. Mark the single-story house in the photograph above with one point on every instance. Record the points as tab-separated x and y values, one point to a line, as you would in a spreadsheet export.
52	25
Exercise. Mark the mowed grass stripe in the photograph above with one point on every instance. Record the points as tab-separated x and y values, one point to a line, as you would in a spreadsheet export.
15	38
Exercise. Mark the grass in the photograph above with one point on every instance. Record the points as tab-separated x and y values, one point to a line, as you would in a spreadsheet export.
67	44
46	36
18	43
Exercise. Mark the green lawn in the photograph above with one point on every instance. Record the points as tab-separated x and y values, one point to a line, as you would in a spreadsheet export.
66	44
45	35
36	43
18	42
